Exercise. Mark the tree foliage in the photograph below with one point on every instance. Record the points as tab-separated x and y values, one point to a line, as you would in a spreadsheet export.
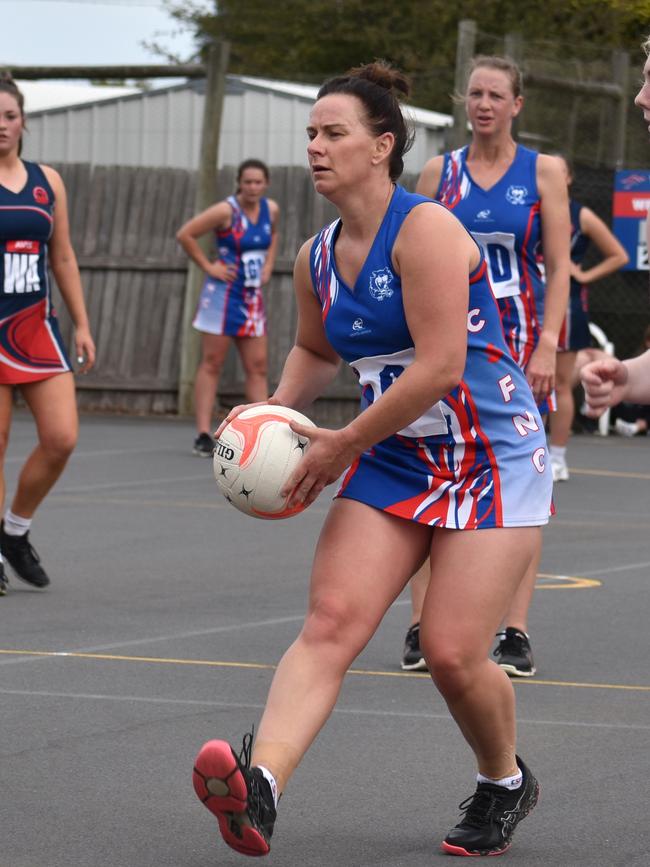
310	40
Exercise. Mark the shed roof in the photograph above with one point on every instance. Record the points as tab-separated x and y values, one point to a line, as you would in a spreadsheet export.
52	95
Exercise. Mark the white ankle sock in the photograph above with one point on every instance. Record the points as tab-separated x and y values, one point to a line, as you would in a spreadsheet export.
268	776
513	782
558	452
15	525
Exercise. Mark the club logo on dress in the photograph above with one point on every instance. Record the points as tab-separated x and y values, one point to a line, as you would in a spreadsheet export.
516	194
41	196
380	284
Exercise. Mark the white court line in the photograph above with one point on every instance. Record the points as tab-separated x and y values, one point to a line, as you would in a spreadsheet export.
387	714
215	630
142	483
626	568
98	453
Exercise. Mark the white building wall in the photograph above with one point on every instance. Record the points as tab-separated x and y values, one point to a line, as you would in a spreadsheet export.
163	128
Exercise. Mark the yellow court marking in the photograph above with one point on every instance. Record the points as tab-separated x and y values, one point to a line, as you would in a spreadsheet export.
610	474
215	663
565	582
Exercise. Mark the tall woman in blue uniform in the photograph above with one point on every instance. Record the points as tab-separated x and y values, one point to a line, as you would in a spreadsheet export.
231	306
34	233
447	460
512	200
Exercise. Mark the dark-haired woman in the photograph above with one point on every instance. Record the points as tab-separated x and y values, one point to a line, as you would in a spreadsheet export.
231	306
34	233
445	461
512	200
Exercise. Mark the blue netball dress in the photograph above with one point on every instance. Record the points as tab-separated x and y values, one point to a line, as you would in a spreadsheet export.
31	347
505	220
236	308
575	334
475	459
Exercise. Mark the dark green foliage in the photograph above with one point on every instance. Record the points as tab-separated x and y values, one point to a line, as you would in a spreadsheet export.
309	40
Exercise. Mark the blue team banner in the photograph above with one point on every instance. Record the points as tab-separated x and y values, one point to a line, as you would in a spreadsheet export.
630	214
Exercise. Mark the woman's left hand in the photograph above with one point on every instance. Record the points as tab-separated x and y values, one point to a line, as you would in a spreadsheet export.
85	348
540	371
329	453
267	270
576	272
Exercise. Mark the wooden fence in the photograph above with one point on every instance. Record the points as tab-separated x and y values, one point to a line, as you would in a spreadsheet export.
123	225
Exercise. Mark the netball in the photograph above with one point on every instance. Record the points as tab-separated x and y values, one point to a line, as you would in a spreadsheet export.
255	455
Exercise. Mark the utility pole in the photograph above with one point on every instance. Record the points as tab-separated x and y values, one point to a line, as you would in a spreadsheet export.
215	87
464	53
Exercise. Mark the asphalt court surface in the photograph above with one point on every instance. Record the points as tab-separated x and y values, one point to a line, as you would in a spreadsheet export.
168	610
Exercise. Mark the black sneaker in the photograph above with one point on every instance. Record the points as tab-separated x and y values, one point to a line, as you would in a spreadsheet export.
4	583
23	559
412	659
203	445
491	815
513	653
238	795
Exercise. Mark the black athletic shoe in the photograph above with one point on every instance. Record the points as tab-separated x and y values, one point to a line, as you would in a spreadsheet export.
412	659
23	559
203	445
491	815
4	583
513	653
239	796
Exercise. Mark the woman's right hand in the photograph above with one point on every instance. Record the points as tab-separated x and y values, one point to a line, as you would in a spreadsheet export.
604	382
236	410
221	271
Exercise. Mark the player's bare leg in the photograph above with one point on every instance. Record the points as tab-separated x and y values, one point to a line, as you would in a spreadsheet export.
53	405
253	353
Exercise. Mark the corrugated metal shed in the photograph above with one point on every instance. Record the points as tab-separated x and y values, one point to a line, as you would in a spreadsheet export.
162	127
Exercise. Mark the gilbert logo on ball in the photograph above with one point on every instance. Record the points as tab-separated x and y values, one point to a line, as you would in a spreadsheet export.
255	455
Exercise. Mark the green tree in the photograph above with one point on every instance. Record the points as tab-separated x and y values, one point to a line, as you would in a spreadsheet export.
309	40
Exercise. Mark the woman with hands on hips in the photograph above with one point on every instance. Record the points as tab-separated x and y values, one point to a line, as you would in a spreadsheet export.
446	461
231	306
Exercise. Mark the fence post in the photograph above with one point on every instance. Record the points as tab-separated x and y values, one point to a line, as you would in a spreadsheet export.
513	47
620	74
464	53
215	87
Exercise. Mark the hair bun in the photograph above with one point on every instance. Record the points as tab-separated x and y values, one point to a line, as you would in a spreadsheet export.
381	73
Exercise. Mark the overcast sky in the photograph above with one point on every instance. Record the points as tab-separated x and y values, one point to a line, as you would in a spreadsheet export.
57	32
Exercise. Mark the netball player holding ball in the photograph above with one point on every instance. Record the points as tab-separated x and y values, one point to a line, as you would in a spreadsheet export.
447	460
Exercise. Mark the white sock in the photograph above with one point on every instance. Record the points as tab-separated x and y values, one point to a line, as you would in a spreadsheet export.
558	452
513	782
15	525
268	776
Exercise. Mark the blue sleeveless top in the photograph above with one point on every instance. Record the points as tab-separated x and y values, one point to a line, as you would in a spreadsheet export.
245	244
31	347
474	459
579	243
505	221
26	223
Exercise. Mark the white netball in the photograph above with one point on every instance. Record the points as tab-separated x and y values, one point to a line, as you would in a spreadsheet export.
255	455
